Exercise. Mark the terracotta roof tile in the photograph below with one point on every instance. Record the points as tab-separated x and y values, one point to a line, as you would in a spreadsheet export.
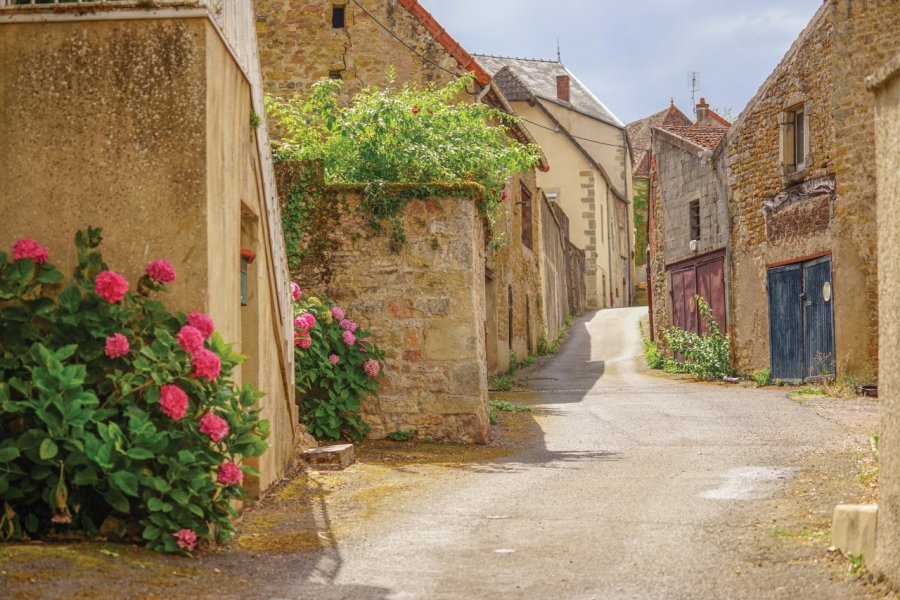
639	135
705	137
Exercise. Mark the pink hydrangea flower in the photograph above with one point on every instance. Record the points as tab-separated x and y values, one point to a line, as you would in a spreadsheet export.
185	539
28	248
295	290
337	313
161	270
116	345
190	339
229	474
206	364
214	426
348	338
110	286
361	345
348	325
304	343
173	401
334	358
306	321
372	368
203	322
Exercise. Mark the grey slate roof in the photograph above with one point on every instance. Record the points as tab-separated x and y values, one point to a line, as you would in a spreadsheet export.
540	78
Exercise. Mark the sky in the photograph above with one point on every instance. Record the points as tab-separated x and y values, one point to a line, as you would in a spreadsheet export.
635	55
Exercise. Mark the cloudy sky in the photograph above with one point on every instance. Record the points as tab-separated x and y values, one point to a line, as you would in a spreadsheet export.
636	54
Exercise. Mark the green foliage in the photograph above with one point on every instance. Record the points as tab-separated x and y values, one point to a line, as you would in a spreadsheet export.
857	565
544	347
401	436
255	120
652	355
762	377
496	406
501	383
407	135
83	439
705	356
330	394
641	204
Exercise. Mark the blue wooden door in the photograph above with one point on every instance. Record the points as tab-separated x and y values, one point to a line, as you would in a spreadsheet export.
818	318
786	322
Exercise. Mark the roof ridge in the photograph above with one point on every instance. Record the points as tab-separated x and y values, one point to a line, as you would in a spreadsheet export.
546	60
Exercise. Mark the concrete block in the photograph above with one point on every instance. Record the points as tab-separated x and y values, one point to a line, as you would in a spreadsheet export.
336	457
853	529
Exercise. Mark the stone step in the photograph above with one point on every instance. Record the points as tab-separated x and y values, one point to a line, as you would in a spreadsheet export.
335	457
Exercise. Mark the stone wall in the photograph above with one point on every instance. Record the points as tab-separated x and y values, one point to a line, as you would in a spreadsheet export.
554	269
424	305
141	127
886	87
299	46
824	70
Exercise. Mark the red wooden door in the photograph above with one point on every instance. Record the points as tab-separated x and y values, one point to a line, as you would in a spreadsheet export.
711	286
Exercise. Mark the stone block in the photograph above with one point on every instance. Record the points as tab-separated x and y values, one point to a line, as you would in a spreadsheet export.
853	529
447	339
336	457
450	404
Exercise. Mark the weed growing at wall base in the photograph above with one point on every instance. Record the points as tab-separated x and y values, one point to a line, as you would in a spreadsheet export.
705	356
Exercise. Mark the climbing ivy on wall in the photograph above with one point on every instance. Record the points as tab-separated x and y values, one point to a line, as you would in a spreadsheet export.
410	135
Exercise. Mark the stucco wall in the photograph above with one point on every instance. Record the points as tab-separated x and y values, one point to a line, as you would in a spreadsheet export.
424	305
142	128
887	129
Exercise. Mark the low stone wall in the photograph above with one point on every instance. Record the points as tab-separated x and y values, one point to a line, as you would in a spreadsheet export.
423	303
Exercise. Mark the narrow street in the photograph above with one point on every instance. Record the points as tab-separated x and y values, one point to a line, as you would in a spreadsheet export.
640	487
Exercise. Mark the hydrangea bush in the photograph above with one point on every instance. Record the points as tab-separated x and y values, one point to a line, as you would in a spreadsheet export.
114	410
337	367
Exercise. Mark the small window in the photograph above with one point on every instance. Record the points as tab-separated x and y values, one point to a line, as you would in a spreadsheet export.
335	75
695	220
794	136
337	17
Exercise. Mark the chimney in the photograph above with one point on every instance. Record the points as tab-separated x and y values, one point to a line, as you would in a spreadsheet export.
703	113
562	87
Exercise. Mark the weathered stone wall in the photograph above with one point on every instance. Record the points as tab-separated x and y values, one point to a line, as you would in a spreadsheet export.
554	269
824	70
886	87
141	127
658	288
423	304
683	173
299	46
515	272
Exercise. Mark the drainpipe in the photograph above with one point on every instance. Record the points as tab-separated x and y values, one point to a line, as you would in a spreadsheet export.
629	225
609	247
482	93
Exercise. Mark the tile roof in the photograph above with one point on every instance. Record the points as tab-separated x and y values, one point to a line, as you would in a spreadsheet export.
539	76
465	60
704	137
639	135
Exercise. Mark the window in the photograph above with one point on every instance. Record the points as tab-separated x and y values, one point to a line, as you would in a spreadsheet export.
337	17
794	139
695	220
526	217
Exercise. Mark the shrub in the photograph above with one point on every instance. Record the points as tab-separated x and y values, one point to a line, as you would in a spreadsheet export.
762	377
705	356
336	368
106	416
652	355
408	135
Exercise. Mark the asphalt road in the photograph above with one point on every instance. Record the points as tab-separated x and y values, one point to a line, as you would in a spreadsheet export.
642	487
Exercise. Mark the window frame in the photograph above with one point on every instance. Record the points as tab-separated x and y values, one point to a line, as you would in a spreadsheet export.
794	134
694	220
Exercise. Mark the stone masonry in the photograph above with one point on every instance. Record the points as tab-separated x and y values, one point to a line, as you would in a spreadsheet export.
823	71
422	304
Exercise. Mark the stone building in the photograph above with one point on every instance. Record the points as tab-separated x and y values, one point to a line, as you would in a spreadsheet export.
305	40
689	224
138	120
885	84
801	169
590	174
639	144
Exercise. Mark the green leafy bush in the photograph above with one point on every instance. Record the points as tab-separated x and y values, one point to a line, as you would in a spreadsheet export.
113	409
762	377
704	356
652	355
407	135
336	368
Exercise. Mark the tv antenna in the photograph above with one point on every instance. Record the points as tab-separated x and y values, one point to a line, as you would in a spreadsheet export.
694	77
